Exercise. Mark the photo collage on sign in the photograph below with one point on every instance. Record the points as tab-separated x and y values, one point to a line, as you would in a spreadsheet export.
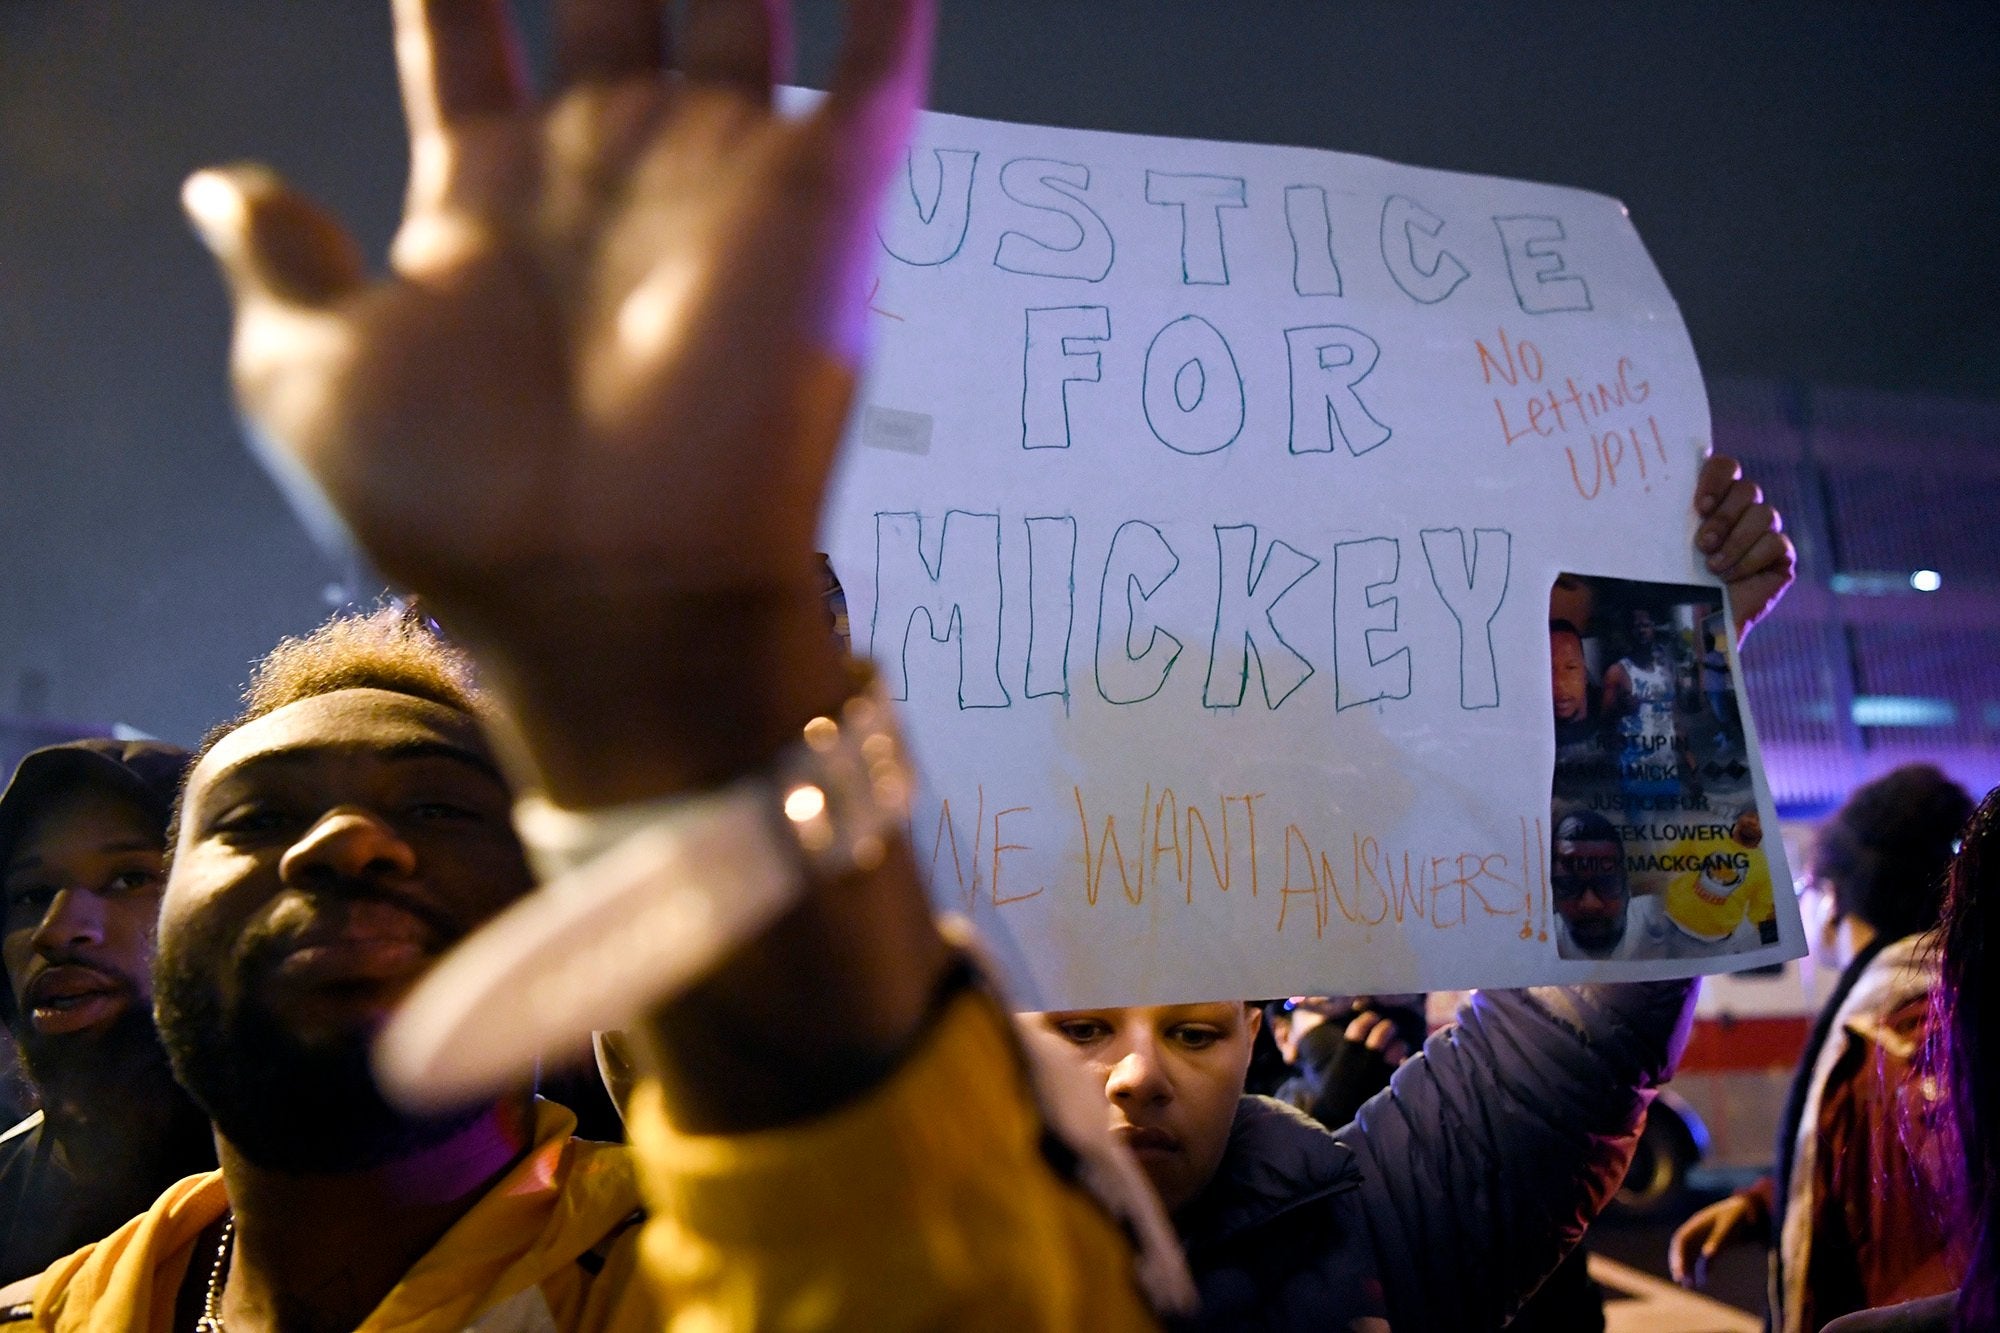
1657	845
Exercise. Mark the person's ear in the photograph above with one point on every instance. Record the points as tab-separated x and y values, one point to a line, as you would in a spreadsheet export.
1253	1014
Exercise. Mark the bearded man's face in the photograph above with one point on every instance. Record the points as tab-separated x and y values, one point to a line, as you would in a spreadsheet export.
329	852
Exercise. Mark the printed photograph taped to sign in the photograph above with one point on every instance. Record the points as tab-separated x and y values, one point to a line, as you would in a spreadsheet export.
1200	508
1657	849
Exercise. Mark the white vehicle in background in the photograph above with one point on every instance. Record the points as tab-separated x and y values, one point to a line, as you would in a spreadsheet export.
1717	1122
1716	1125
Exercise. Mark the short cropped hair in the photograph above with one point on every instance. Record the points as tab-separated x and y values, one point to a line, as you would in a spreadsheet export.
1586	826
394	648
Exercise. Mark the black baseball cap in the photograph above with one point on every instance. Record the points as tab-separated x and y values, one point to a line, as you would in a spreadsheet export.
146	773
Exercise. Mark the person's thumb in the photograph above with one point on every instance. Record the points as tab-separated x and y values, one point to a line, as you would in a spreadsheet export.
287	264
273	244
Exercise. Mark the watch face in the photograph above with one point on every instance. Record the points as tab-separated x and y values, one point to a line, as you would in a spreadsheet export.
593	950
654	897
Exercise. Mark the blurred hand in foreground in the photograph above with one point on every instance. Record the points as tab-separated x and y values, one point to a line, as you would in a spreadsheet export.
606	373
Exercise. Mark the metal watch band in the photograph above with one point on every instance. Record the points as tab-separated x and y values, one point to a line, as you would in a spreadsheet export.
641	901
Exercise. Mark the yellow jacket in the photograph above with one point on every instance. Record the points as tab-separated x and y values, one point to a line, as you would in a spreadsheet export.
1719	886
927	1204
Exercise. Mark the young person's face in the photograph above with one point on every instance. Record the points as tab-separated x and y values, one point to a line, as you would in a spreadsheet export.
1172	1076
82	902
329	852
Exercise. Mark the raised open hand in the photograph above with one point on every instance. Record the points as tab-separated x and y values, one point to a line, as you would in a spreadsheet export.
616	336
590	411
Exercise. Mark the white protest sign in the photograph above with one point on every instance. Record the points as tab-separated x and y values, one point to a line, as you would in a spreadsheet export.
1203	506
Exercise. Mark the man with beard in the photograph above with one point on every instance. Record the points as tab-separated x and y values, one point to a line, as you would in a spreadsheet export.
1599	917
1569	675
1596	915
1583	764
589	415
82	839
333	840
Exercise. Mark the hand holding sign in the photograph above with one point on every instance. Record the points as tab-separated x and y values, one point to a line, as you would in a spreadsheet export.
1203	508
1743	539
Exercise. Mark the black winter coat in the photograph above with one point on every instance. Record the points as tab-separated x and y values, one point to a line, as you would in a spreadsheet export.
1486	1157
1277	1240
1460	1186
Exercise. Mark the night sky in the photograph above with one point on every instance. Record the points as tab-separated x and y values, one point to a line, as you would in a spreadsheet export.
1818	183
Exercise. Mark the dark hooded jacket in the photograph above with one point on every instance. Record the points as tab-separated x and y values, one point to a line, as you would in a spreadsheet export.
1486	1157
1458	1188
1276	1241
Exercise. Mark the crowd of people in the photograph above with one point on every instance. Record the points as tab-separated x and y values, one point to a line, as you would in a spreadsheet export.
589	420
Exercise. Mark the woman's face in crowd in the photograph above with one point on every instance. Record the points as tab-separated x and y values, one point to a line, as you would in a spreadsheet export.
1172	1075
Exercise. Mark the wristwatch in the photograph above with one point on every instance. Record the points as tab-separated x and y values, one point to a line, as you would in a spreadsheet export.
641	900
